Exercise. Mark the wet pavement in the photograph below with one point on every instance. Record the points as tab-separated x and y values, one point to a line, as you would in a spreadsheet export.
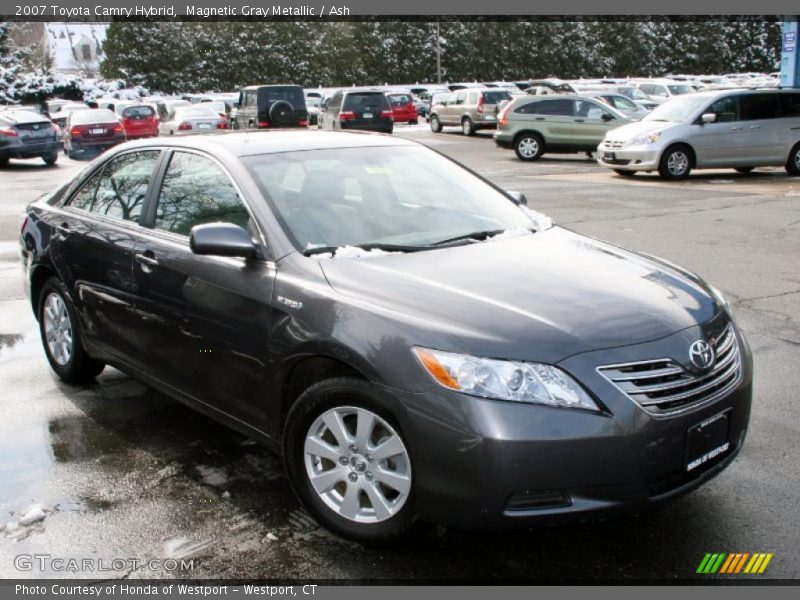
119	471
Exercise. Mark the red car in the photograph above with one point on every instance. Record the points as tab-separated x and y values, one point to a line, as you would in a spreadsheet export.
139	121
96	129
403	108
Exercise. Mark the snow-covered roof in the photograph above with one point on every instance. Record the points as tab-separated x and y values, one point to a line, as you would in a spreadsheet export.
75	47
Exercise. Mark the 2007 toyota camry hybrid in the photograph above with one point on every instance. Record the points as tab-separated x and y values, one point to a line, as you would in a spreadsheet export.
414	341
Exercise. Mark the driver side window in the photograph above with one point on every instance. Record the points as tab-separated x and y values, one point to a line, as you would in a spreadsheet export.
726	109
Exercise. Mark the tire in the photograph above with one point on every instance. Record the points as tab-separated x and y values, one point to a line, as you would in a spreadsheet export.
467	126
624	173
793	163
436	124
743	169
73	154
50	159
3	161
676	162
414	122
529	146
59	323
376	511
281	113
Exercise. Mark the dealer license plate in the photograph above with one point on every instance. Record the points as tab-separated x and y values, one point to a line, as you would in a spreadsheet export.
707	441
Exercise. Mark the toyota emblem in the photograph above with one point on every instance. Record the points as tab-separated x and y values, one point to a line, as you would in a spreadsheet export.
701	355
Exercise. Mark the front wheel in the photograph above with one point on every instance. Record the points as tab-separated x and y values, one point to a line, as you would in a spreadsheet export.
61	338
436	124
348	461
793	164
529	146
50	159
676	162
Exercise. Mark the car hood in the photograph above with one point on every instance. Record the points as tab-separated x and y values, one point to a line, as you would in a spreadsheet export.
543	297
631	130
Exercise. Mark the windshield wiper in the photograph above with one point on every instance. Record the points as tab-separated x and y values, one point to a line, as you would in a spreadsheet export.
475	235
367	247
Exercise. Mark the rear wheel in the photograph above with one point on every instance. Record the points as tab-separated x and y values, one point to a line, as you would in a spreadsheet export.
3	161
624	173
743	169
793	164
467	126
676	162
348	462
436	124
529	146
50	159
72	153
61	337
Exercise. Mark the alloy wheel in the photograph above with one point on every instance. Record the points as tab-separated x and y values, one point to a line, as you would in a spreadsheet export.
58	329
797	159
528	147
677	163
357	464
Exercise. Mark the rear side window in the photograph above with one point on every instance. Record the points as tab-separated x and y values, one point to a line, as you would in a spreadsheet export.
196	191
461	97
790	105
365	101
561	108
530	108
118	189
138	112
760	106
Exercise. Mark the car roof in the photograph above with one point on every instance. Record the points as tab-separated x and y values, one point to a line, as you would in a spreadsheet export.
273	142
270	85
23	116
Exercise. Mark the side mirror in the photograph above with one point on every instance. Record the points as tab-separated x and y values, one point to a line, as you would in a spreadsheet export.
707	118
518	197
221	239
607	117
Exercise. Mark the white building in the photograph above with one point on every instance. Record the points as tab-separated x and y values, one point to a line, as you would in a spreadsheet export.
75	48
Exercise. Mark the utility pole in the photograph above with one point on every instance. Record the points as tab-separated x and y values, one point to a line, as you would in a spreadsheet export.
438	53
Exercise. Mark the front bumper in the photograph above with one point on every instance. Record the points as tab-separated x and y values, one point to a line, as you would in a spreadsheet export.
631	158
490	464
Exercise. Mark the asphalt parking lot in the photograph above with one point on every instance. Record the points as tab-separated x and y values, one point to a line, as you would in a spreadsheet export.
121	471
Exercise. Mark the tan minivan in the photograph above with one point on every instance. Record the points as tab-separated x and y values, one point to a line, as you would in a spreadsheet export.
471	109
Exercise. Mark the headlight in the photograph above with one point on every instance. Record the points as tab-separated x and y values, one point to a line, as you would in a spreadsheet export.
721	299
650	138
504	379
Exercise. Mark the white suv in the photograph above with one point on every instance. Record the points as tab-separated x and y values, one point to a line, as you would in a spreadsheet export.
739	129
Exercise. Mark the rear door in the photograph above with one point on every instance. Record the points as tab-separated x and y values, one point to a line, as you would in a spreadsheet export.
97	232
203	320
766	133
556	117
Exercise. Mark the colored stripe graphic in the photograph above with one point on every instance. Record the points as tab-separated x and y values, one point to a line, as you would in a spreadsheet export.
729	564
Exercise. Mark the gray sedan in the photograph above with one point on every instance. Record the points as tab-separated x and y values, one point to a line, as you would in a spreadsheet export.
196	118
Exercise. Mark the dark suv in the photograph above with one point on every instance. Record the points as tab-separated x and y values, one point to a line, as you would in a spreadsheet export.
366	110
270	106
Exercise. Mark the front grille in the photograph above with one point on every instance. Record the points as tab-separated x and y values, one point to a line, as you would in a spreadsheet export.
663	386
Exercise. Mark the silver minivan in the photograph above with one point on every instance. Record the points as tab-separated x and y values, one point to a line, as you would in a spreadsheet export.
739	129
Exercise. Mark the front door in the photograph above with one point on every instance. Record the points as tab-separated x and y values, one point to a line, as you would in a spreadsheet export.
720	144
589	127
204	320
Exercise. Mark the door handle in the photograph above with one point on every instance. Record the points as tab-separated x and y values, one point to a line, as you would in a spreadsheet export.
147	261
755	127
736	128
540	118
579	120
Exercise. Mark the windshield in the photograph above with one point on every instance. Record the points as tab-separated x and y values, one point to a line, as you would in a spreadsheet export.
679	90
677	110
621	102
408	196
